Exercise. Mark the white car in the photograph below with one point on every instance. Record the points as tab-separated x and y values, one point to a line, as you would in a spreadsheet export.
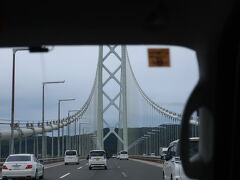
172	167
97	158
22	165
123	155
71	157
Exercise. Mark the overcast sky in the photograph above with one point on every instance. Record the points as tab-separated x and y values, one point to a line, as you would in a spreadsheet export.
168	86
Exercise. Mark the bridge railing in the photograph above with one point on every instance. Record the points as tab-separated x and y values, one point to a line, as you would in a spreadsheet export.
46	160
147	158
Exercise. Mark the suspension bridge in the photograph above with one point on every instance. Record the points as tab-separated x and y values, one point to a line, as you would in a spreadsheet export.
137	123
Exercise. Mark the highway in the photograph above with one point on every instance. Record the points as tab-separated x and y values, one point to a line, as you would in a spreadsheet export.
117	170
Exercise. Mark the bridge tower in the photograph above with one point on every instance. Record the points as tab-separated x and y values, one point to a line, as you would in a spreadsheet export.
121	105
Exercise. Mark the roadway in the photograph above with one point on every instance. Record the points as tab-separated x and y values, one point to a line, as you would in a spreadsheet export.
117	170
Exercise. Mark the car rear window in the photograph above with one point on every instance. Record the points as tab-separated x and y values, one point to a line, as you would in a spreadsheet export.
71	153
124	152
97	153
18	158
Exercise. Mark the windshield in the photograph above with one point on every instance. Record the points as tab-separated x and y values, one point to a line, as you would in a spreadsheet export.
71	153
18	158
99	100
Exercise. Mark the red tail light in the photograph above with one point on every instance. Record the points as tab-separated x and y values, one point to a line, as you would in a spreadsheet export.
4	167
29	167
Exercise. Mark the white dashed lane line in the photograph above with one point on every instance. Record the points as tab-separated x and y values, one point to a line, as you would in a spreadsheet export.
64	175
124	174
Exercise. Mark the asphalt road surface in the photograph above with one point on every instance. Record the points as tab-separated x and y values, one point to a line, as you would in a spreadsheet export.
117	170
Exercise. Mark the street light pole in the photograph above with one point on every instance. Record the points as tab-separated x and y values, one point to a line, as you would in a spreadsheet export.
147	136
164	134
15	50
68	131
157	131
80	136
43	112
68	138
13	97
59	104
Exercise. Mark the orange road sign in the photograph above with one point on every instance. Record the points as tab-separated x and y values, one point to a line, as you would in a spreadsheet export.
158	57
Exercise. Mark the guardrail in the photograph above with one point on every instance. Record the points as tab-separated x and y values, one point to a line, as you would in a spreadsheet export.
52	160
147	158
2	160
46	160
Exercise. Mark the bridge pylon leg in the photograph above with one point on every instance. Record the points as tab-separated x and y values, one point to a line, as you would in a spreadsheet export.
121	106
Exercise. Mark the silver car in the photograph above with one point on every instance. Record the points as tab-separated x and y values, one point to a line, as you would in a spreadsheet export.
97	158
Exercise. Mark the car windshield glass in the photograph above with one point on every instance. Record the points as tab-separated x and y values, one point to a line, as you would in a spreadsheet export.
97	153
71	153
123	99
123	152
18	158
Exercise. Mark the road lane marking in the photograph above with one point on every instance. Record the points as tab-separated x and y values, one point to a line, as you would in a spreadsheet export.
80	167
124	174
64	175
